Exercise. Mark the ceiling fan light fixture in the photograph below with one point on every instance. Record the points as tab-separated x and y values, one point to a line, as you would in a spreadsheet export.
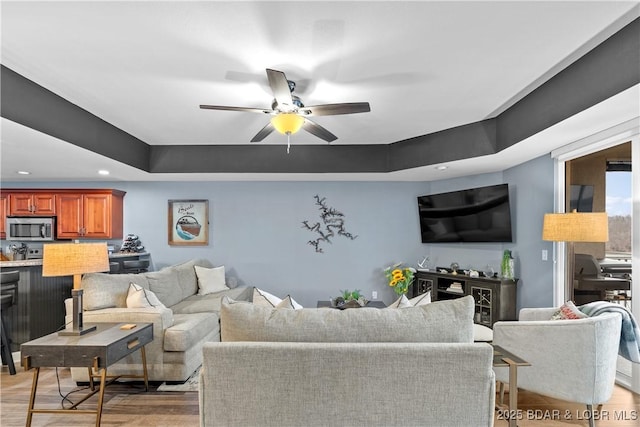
287	123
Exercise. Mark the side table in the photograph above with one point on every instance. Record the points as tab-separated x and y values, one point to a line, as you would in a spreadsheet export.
96	351
503	358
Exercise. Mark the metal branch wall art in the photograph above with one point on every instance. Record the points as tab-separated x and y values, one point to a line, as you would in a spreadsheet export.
332	225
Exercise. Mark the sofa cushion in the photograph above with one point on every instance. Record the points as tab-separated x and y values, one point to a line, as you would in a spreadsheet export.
210	302
187	279
103	290
210	280
440	321
164	284
189	329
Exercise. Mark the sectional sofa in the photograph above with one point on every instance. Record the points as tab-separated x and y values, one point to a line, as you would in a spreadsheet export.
182	306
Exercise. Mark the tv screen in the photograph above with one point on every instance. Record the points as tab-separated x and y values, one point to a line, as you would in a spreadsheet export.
474	215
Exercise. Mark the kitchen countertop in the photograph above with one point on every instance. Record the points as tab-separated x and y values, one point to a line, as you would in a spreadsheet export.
38	261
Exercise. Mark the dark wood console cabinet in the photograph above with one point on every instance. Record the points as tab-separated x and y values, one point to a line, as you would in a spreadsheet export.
495	299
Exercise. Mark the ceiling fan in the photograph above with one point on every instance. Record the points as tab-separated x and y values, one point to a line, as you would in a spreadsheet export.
290	114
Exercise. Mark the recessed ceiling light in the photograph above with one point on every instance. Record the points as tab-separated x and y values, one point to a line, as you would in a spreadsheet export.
103	172
442	167
24	173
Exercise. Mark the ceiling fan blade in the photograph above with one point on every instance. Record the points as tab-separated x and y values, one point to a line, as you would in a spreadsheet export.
319	131
264	132
280	87
244	109
336	109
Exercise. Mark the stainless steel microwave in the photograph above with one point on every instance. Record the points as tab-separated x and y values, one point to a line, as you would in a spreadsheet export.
31	228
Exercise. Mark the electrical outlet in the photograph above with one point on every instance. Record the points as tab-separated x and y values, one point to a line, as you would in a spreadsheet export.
374	295
545	255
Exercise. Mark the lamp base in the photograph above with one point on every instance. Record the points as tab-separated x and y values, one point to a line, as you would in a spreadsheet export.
77	331
77	327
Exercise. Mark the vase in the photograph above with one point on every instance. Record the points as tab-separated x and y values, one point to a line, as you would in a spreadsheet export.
507	265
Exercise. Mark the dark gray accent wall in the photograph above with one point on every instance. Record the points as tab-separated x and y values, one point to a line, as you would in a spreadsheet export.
31	105
268	158
608	69
462	142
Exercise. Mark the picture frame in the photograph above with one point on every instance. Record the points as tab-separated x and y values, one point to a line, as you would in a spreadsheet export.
188	223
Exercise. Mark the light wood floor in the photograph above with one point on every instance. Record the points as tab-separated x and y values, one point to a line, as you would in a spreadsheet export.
130	405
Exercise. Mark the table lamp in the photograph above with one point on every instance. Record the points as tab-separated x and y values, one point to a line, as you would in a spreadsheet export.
75	259
575	227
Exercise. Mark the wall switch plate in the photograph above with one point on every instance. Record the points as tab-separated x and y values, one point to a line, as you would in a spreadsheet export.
545	255
374	295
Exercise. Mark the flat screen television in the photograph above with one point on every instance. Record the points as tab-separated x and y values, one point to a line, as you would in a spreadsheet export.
475	215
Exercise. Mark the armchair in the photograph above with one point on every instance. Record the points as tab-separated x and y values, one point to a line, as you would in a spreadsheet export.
572	360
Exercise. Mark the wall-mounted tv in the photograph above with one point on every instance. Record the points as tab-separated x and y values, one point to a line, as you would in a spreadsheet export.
474	215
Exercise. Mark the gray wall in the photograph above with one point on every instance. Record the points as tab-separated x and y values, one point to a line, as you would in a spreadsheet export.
256	231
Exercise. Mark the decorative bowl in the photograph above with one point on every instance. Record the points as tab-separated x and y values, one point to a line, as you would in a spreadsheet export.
352	303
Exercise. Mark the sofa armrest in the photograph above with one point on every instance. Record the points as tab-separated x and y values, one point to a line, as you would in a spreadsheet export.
544	313
161	318
568	357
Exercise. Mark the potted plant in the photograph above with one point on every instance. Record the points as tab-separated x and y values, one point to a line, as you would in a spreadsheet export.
349	299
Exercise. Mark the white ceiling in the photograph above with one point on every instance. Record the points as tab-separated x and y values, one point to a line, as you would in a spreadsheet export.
424	66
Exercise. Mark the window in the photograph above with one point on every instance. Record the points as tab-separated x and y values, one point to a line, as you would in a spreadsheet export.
618	207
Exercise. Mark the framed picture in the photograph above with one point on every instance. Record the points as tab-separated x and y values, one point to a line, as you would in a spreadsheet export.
189	222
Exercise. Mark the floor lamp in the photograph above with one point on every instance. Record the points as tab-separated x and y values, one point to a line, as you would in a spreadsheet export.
574	227
75	259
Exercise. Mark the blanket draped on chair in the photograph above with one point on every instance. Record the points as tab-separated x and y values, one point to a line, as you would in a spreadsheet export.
630	332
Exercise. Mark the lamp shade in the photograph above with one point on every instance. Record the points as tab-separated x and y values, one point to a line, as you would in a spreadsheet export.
68	259
576	227
287	123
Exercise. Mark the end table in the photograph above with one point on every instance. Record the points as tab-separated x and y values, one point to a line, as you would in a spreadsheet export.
96	350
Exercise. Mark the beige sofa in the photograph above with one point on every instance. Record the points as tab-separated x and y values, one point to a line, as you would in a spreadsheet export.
180	328
416	366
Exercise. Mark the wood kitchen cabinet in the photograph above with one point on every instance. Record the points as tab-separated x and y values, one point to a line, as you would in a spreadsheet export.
4	210
26	204
90	214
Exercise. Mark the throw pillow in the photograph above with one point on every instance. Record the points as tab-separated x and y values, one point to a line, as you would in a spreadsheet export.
402	302
139	297
568	311
289	303
210	280
421	299
265	299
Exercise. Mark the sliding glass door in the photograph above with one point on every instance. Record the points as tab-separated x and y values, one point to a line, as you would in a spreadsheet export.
599	174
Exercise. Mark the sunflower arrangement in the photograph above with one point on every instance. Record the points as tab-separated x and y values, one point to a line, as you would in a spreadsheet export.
399	278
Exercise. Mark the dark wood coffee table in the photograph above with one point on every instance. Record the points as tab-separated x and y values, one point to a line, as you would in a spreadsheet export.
95	350
374	304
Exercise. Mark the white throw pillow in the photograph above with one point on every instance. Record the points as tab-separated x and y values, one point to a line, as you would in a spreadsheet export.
265	299
289	303
402	302
210	280
421	299
139	297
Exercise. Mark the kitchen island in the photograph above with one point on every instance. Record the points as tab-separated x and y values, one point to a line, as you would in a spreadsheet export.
39	309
